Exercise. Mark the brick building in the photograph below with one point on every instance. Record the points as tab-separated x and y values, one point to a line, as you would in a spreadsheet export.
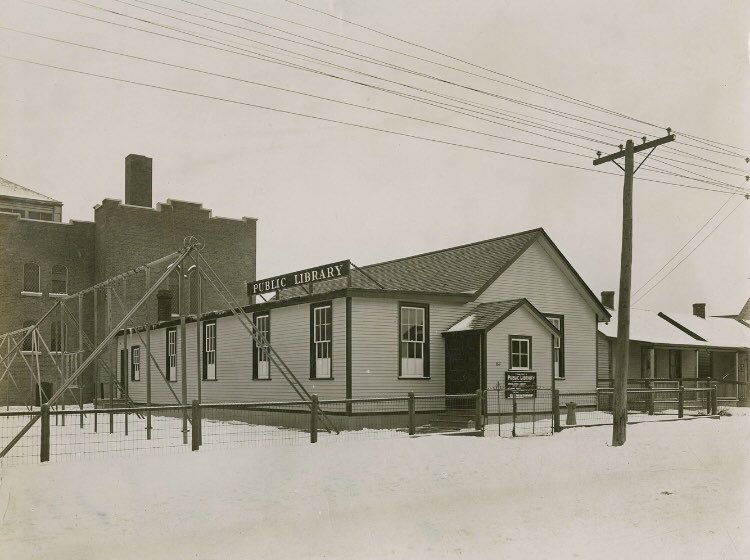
42	258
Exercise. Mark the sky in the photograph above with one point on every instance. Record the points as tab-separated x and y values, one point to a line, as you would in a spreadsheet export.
324	191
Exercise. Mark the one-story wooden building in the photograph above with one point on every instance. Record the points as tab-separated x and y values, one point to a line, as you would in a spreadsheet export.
679	347
446	322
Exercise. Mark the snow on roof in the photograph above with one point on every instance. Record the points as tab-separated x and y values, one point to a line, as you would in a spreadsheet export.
12	190
718	331
648	326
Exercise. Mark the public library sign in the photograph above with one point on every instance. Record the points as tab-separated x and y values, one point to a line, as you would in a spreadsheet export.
299	278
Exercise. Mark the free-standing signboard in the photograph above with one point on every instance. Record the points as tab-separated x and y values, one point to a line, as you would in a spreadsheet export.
299	278
520	383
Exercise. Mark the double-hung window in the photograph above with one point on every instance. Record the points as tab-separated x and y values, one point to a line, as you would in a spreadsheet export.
413	338
261	362
321	335
209	350
171	354
59	280
135	363
558	345
29	342
520	352
31	283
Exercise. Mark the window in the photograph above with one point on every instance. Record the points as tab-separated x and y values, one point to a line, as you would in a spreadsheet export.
135	363
413	337
46	216
261	362
31	278
174	288
558	347
321	322
59	284
209	350
520	352
194	281
171	354
56	338
29	343
675	364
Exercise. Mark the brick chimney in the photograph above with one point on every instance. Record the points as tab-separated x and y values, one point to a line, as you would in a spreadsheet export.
699	310
138	180
608	300
164	305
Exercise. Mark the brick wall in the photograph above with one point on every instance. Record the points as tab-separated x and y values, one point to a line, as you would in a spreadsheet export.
47	244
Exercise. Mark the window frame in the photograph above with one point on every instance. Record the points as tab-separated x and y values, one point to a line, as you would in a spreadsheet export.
52	292
425	307
205	353
521	338
38	291
561	368
171	369
135	365
33	343
62	336
313	342
256	349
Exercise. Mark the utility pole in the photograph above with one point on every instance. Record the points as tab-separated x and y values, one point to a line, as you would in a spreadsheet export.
620	390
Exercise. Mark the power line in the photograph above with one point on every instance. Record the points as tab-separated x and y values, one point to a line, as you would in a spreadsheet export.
341	122
265	58
692	251
297	92
670	259
399	39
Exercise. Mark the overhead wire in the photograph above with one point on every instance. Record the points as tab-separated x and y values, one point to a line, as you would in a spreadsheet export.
692	251
341	122
414	44
714	183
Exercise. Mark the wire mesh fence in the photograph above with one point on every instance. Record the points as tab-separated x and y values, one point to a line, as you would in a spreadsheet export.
512	413
71	434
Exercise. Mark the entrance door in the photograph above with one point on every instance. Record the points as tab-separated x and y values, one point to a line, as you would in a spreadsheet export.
463	363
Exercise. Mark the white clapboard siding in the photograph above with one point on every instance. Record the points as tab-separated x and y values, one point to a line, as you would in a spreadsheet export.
537	276
290	337
602	357
375	348
520	322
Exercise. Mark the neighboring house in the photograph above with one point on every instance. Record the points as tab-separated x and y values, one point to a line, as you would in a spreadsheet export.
15	199
42	259
677	347
450	321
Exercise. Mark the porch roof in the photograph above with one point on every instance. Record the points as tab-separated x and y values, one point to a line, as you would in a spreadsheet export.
676	329
485	316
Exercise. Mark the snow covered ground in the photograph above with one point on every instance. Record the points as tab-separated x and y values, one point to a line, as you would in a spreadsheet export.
676	490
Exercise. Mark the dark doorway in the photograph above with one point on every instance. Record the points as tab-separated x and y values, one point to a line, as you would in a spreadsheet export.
463	357
123	371
46	393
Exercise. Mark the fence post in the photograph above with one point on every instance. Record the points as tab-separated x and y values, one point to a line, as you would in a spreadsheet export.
314	419
680	401
478	413
126	423
196	434
707	392
714	399
650	397
515	409
44	451
412	415
556	411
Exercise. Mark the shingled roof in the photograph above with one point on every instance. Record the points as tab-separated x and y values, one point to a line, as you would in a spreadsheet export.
457	270
12	190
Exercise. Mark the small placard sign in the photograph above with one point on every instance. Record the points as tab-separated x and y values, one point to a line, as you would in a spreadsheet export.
520	383
299	278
